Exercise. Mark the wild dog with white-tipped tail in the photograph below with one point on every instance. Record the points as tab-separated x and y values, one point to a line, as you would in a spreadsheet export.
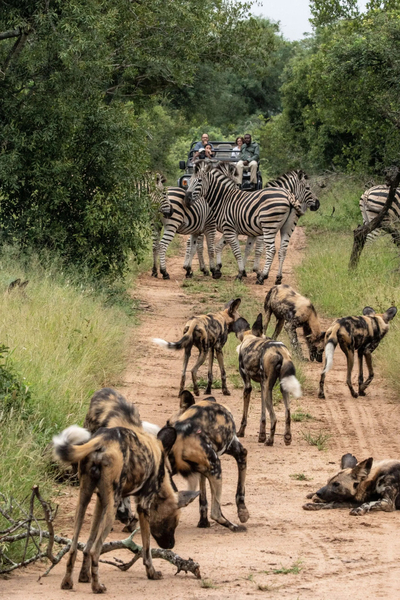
264	360
361	334
209	334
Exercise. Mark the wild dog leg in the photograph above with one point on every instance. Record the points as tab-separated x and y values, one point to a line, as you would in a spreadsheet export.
278	328
288	434
363	387
220	358
105	526
85	493
216	512
210	370
186	357
85	575
202	357
349	352
266	401
327	505
360	373
387	503
145	533
240	455
246	400
294	340
203	505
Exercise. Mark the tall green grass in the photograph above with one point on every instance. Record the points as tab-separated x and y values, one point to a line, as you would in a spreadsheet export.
336	291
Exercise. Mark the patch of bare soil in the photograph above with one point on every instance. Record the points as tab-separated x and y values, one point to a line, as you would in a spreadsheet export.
286	550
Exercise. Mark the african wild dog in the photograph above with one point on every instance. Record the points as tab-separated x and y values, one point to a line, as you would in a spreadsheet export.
205	431
264	360
209	334
362	486
356	333
293	310
108	408
116	462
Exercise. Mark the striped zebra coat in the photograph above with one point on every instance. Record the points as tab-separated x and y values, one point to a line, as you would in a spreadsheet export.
371	204
294	181
263	212
193	220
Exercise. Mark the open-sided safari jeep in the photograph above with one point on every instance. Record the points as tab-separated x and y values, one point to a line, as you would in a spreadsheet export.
222	151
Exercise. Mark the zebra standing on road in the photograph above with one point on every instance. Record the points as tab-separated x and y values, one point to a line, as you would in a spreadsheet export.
194	220
263	212
371	204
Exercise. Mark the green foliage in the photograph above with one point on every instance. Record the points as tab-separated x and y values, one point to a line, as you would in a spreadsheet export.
320	440
15	394
326	12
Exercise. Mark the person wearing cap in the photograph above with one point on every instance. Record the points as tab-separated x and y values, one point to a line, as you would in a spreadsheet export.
201	145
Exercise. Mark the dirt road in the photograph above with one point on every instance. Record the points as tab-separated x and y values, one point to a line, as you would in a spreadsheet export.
285	550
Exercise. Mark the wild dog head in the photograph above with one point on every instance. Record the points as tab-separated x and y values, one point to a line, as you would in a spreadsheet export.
186	400
166	504
241	327
387	316
344	486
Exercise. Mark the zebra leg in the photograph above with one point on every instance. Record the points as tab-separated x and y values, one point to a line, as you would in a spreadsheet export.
270	250
169	232
219	248
200	254
285	239
210	239
258	254
191	247
156	242
233	240
249	247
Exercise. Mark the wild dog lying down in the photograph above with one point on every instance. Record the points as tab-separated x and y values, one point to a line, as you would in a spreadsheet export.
356	333
209	334
108	408
117	462
362	486
264	360
293	310
205	431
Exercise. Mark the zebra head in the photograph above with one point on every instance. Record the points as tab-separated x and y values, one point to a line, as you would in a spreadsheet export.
297	183
203	175
161	194
199	182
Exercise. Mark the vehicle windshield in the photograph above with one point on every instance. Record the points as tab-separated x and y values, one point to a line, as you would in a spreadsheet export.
221	151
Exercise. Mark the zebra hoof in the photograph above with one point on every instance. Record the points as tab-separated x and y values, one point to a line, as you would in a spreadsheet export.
165	275
260	281
239	277
278	280
154	273
217	275
244	274
219	266
189	274
205	272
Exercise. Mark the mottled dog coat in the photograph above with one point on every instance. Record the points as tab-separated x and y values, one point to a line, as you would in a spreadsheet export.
205	431
208	333
264	360
361	334
116	462
293	310
365	486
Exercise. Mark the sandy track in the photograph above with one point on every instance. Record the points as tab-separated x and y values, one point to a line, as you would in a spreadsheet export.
340	556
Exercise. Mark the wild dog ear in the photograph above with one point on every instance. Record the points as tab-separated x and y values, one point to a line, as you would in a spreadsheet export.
238	327
186	400
233	305
167	436
348	461
257	328
320	337
186	497
389	314
368	311
362	469
210	399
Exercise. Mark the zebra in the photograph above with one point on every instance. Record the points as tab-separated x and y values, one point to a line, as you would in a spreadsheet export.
295	182
195	220
371	204
263	212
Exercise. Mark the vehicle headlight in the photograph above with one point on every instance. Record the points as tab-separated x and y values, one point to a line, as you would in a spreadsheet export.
185	182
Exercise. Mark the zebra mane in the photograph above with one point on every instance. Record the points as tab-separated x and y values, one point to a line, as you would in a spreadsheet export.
298	174
226	168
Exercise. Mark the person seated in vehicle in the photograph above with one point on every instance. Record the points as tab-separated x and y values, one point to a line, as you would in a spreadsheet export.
248	159
236	150
207	153
201	145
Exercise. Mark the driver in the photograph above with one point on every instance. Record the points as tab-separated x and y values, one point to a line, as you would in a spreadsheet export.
249	158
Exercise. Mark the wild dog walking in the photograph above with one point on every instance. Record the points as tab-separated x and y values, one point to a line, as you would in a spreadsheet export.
205	431
117	462
264	360
362	486
293	310
209	334
361	334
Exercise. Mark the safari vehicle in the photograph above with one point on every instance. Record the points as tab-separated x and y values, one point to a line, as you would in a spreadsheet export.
222	151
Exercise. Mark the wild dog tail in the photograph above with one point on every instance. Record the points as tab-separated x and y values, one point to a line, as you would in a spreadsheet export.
330	346
185	341
289	381
75	443
150	428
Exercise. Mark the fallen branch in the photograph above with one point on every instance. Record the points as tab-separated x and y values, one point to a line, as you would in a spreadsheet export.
13	534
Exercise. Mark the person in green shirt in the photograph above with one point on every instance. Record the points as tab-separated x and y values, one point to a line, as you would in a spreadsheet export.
248	159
